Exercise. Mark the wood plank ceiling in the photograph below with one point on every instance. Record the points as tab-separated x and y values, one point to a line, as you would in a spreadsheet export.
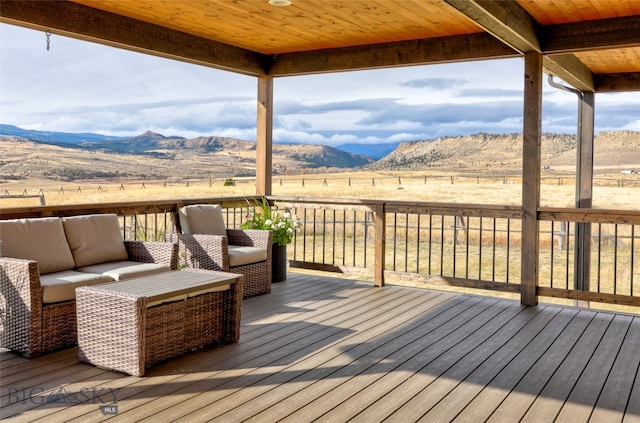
592	45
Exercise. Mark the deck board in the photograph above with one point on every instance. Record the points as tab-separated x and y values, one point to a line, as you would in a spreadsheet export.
335	350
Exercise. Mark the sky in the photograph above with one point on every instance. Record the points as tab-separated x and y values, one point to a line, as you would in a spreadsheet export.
78	86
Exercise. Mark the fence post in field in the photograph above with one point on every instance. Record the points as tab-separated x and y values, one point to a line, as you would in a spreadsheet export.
563	234
458	225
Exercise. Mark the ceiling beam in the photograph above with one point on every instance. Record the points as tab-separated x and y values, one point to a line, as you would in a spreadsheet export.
85	23
456	48
590	35
617	82
505	20
513	25
571	70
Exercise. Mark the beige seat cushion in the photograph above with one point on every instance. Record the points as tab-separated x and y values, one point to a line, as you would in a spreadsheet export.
240	255
120	270
61	286
41	239
95	239
202	219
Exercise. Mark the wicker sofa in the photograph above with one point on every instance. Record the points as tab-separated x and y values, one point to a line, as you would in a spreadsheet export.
43	260
206	243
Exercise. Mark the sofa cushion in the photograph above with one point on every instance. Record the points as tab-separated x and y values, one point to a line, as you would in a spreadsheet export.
61	286
202	219
120	270
241	255
39	239
95	239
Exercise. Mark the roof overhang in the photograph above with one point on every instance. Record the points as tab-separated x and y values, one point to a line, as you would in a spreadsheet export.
578	52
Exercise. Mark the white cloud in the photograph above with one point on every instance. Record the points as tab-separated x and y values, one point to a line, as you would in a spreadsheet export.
84	87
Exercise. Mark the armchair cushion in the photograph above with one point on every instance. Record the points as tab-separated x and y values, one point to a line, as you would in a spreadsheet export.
120	270
95	239
41	239
204	219
240	256
61	286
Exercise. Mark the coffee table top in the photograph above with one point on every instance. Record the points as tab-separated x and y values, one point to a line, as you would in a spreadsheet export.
160	286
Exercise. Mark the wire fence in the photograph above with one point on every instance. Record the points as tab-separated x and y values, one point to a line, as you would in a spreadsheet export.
625	181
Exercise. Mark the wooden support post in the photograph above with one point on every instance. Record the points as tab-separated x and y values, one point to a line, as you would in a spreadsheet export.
264	136
380	234
531	160
584	192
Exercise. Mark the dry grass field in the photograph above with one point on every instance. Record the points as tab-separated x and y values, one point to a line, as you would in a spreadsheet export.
556	191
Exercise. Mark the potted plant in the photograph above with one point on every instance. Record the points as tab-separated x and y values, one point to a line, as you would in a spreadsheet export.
282	225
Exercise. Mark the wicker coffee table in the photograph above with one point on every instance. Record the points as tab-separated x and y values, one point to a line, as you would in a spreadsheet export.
129	325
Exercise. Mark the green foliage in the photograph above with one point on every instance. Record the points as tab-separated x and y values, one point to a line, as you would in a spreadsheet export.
263	216
229	182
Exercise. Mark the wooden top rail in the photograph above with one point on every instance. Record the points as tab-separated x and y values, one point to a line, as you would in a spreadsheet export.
121	209
478	210
626	217
630	217
411	207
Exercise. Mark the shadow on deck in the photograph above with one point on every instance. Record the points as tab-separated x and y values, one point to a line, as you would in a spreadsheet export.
327	349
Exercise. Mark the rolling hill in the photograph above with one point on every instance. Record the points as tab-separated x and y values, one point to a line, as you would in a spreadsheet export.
154	156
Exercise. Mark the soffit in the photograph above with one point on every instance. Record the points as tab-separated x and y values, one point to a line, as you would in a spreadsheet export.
304	25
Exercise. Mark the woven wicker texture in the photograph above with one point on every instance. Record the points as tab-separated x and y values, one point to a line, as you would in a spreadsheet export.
210	252
141	336
28	326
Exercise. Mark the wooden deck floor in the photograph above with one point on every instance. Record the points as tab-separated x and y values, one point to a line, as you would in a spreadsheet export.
335	350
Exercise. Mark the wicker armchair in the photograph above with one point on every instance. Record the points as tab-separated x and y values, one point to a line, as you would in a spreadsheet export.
29	323
205	243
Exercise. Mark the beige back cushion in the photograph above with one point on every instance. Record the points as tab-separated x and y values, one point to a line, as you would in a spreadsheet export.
42	240
202	219
95	239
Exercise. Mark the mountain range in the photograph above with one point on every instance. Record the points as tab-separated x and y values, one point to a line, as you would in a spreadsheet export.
142	143
65	156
